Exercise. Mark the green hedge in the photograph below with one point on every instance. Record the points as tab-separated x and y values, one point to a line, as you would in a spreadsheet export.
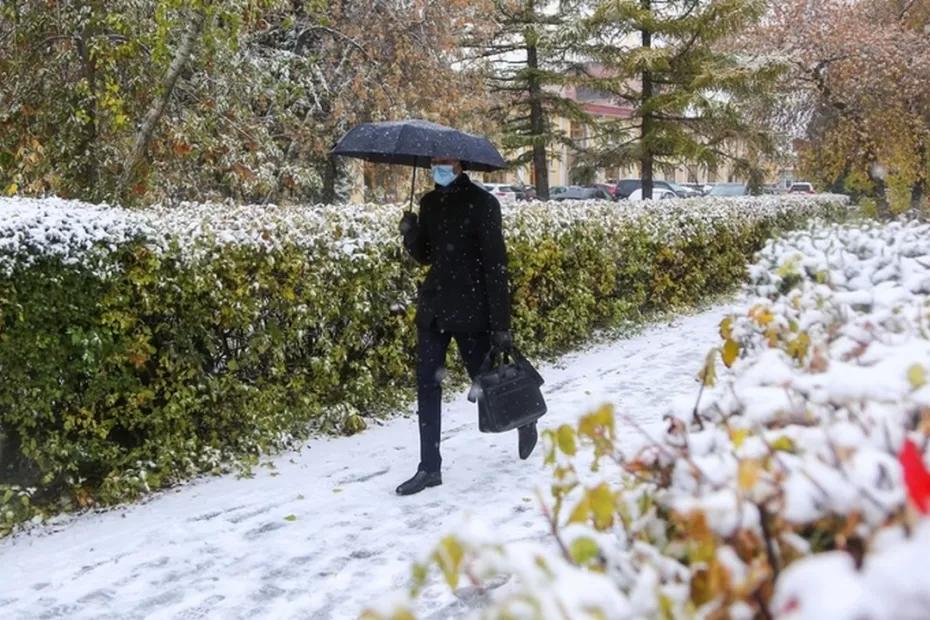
140	349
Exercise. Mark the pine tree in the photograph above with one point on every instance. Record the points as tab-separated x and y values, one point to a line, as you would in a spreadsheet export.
666	59
530	51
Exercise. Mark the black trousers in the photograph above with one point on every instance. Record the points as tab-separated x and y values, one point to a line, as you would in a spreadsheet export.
432	345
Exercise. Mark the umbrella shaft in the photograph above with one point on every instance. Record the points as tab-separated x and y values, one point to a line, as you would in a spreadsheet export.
413	184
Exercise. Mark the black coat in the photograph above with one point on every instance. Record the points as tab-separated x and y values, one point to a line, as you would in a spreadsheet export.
459	236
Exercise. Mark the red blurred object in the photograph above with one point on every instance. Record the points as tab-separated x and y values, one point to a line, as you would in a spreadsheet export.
916	476
791	605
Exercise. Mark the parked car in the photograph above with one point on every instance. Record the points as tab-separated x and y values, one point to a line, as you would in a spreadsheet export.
682	191
576	192
700	188
801	188
625	187
658	193
503	191
728	189
610	188
524	192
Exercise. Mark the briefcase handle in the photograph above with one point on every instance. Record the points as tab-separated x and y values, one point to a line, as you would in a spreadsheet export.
496	353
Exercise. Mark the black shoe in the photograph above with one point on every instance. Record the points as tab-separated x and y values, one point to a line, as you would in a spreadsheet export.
528	438
420	481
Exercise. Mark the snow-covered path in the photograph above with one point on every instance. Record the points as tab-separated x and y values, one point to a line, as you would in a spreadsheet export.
229	548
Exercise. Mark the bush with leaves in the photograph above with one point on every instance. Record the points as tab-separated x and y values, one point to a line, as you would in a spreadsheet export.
795	486
139	348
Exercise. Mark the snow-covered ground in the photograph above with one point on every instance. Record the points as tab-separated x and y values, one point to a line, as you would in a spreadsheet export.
321	534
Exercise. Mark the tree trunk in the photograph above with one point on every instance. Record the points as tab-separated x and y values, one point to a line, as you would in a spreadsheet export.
330	171
646	157
155	112
919	190
87	151
537	125
881	198
336	186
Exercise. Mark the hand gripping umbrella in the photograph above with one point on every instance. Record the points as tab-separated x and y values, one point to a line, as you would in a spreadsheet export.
415	143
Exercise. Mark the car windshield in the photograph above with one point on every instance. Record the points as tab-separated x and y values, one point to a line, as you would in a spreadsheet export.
628	185
728	189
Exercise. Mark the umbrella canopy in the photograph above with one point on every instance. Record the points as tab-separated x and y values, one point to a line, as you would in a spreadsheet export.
415	142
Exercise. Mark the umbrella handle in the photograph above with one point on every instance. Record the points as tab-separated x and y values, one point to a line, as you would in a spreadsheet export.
413	185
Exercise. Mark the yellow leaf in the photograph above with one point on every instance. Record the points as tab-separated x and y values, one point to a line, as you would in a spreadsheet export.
581	511
771	334
784	444
798	347
11	189
603	502
708	374
762	316
730	352
449	556
601	419
738	436
566	438
917	376
726	328
290	518
748	474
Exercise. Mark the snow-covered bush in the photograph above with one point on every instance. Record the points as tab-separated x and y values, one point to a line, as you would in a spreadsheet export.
141	347
793	486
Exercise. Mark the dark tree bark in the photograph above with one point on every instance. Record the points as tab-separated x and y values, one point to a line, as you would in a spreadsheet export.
646	159
537	124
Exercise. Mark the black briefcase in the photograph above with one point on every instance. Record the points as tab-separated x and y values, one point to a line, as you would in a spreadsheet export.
507	391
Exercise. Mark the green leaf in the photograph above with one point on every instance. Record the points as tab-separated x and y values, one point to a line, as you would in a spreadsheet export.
420	574
290	518
583	550
354	424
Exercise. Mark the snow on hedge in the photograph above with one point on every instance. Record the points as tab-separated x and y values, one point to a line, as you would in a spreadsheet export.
793	486
74	231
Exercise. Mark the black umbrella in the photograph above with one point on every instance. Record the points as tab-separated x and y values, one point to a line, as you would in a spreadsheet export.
415	143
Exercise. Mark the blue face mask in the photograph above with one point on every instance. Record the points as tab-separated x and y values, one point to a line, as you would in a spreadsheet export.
443	174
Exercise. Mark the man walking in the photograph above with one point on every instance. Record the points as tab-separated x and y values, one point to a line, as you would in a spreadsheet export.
465	296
